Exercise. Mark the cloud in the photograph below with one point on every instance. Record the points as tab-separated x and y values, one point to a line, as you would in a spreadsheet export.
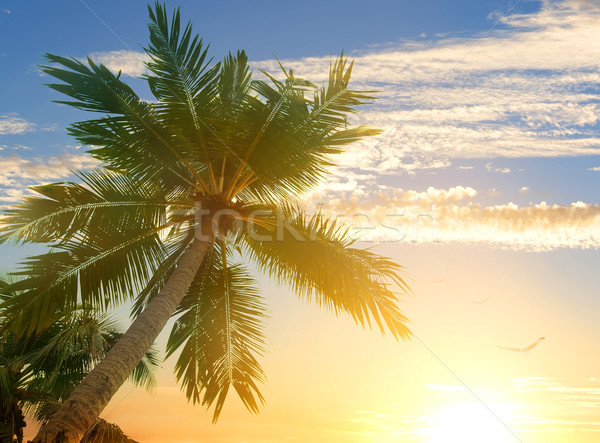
15	148
454	216
490	168
595	168
17	172
130	63
13	124
6	11
527	90
578	393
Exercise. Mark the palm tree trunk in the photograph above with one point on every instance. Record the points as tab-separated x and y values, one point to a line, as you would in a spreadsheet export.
87	401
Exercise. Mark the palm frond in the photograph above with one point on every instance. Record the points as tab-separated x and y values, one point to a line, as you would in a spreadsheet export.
68	350
181	78
105	432
295	136
6	387
133	137
316	258
105	200
143	374
43	410
101	271
333	102
234	85
220	336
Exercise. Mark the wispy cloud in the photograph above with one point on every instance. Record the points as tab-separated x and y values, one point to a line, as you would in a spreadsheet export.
130	63
13	124
15	148
17	172
581	395
528	90
453	215
490	168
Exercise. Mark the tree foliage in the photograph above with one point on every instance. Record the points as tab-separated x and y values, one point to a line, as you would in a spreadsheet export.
214	138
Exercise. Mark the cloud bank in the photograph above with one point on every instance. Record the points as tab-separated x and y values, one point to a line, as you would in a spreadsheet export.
529	89
451	215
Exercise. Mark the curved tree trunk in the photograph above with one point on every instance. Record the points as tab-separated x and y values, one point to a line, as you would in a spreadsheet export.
87	401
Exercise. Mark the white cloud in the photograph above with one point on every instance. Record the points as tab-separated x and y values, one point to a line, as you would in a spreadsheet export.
17	173
490	168
130	63
595	168
523	91
15	148
452	215
13	124
579	393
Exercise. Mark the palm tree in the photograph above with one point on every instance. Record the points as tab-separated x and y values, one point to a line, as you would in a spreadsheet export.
38	373
190	185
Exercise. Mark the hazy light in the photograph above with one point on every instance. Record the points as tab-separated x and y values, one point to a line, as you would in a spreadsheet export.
471	423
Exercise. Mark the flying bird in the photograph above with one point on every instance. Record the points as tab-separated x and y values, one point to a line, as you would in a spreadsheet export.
526	348
482	301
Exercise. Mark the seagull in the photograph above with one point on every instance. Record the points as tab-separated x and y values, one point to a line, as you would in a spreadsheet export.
482	301
526	348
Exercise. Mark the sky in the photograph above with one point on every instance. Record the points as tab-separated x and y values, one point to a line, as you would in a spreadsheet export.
483	185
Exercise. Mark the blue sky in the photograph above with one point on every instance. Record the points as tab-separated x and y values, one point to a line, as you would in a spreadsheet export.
484	183
499	97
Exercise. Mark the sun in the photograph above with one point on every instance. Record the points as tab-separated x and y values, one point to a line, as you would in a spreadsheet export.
472	423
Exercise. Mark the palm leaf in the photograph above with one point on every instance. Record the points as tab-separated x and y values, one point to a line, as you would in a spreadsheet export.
133	137
6	387
102	270
181	78
105	200
105	432
220	335
296	136
316	258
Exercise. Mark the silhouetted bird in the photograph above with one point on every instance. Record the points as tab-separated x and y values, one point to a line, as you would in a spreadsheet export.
482	301
526	348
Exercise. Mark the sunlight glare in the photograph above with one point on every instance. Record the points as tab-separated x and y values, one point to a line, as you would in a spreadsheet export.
471	423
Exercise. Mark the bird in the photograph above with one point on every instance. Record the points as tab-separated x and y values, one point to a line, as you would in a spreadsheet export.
526	348
482	301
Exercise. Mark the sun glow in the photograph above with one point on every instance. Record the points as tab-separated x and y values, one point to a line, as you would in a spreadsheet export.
472	423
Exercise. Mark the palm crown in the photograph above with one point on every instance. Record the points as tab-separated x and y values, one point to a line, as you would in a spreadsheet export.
215	140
